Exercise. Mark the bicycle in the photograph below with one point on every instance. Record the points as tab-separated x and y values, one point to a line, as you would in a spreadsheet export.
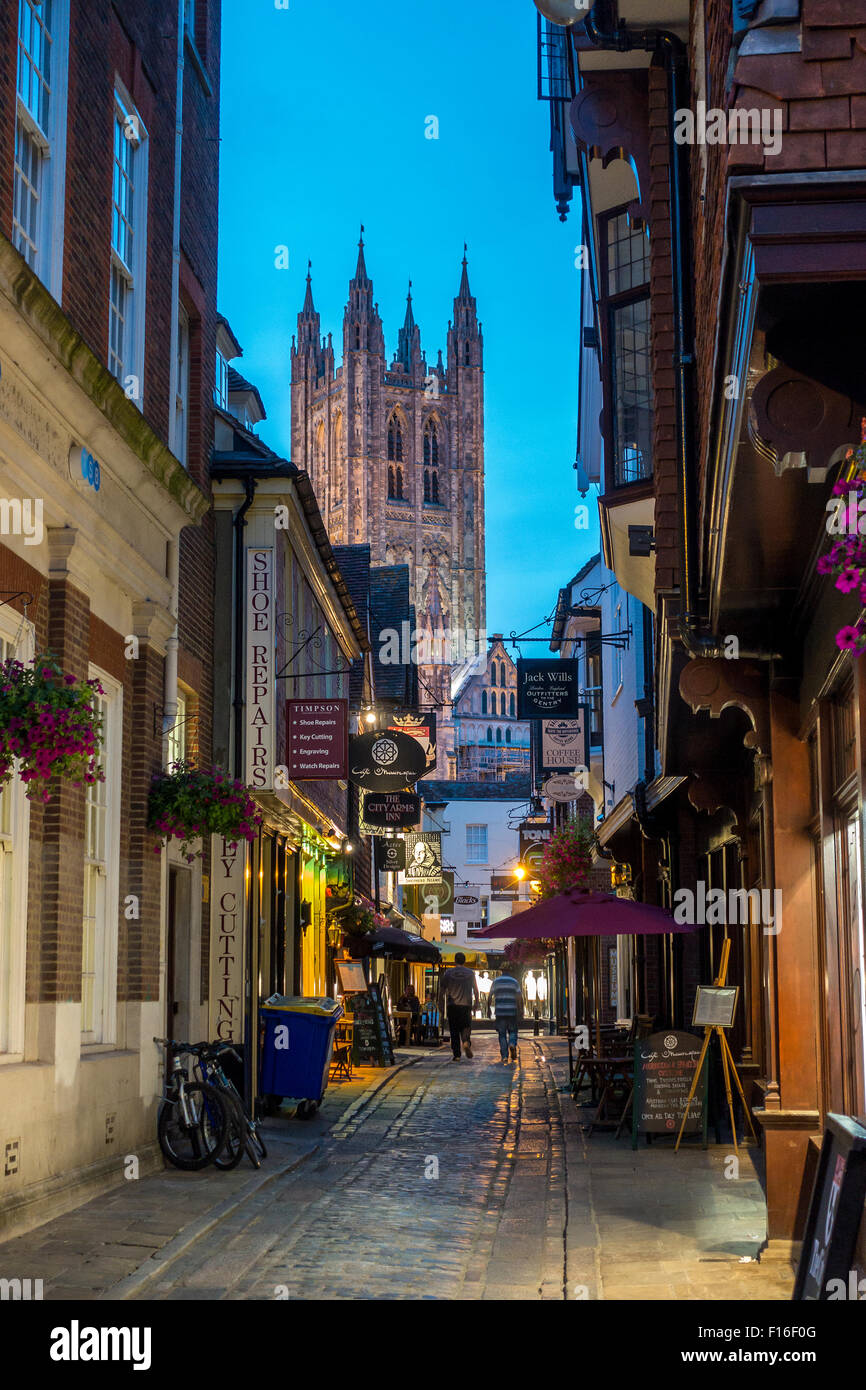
194	1119
244	1136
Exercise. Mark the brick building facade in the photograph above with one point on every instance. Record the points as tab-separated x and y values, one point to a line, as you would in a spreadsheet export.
730	367
108	263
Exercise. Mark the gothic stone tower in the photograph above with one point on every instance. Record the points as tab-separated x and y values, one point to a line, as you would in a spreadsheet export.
396	456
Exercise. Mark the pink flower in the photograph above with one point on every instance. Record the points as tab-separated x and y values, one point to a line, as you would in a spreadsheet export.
848	580
847	639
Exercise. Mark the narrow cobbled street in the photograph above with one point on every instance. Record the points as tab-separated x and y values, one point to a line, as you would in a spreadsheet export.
441	1181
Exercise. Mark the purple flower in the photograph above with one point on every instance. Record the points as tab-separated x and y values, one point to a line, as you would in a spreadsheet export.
847	639
848	580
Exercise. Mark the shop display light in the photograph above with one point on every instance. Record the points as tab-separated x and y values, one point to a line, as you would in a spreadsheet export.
564	12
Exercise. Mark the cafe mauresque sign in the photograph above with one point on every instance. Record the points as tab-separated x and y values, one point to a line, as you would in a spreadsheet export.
385	761
547	689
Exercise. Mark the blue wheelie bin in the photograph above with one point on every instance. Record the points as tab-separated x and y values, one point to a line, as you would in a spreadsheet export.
296	1048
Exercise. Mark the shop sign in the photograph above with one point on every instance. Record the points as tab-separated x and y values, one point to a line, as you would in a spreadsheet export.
467	903
420	725
827	1271
228	915
385	761
317	738
532	853
563	742
438	897
260	651
503	886
547	689
423	857
389	810
447	927
84	469
663	1075
390	854
564	787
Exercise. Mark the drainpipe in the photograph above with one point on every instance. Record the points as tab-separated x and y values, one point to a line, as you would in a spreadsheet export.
672	51
251	973
169	701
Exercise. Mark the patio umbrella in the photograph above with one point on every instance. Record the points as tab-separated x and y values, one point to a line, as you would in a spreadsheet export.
589	914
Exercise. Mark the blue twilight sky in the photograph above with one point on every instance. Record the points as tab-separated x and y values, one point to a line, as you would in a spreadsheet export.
323	127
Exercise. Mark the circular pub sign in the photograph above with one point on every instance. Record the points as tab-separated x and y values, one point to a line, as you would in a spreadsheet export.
386	761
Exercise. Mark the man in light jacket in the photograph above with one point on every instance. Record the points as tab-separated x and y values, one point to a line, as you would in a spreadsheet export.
506	996
460	989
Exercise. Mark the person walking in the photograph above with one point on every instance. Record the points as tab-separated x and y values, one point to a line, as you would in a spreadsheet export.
506	996
460	989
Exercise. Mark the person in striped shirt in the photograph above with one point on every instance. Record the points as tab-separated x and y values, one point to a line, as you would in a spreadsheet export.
506	997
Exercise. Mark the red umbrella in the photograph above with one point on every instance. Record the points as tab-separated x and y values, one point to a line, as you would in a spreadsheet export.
588	914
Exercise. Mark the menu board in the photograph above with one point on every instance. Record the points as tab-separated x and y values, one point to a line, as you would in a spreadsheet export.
664	1068
827	1254
371	1037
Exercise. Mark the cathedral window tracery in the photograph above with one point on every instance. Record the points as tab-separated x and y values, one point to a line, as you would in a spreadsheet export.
395	440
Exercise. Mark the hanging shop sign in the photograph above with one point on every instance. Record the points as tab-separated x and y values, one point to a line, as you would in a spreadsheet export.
503	887
563	743
565	786
664	1068
317	739
531	841
827	1270
420	725
388	811
260	652
423	857
547	689
390	854
467	903
385	761
228	915
433	898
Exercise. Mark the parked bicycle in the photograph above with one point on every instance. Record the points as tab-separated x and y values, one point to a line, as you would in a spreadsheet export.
244	1136
195	1118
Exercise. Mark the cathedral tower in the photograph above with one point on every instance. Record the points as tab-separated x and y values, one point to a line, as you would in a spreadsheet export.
396	455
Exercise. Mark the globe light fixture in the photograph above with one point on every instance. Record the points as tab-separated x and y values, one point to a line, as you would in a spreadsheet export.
564	12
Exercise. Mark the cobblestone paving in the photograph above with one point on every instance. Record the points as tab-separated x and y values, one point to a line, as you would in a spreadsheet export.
439	1181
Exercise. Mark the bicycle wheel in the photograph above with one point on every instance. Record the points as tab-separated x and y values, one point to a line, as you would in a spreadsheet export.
235	1136
255	1144
193	1146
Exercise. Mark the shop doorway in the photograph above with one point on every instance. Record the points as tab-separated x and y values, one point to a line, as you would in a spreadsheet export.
178	1021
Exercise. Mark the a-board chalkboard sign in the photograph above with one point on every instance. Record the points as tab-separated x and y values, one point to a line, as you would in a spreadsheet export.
371	1038
829	1239
664	1068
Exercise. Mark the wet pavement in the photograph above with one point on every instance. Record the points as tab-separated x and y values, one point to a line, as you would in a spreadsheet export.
438	1180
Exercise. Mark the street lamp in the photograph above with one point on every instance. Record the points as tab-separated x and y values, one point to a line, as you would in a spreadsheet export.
564	12
520	872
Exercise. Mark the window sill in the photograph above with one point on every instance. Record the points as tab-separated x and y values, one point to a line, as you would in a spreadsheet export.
189	45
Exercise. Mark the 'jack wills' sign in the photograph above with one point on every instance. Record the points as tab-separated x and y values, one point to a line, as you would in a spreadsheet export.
228	915
260	648
547	689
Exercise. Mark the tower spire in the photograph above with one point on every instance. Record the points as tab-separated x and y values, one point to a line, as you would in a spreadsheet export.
409	337
361	279
309	307
464	294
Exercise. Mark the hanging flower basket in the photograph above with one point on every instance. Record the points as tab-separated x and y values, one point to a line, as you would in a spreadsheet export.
846	558
187	802
527	953
358	920
567	859
49	726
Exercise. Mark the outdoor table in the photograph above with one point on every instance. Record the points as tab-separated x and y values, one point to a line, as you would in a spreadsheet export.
609	1071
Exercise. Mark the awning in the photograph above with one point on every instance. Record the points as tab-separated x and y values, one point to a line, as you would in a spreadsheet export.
449	950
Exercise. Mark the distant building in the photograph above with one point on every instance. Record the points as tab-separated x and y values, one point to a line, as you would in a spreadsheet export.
489	742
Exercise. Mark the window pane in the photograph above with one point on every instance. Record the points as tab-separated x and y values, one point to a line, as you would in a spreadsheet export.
627	256
632	392
34	58
123	191
26	195
117	323
476	844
